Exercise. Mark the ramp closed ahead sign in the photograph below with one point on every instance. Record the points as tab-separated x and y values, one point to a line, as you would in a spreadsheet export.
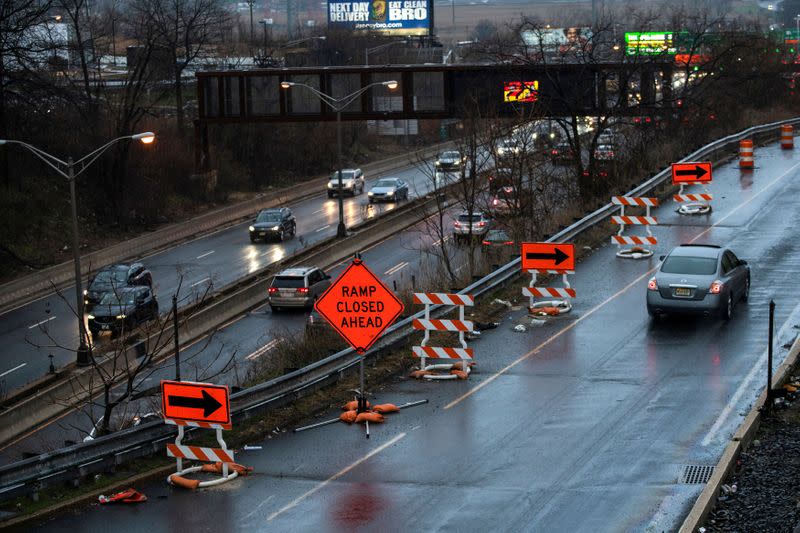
359	306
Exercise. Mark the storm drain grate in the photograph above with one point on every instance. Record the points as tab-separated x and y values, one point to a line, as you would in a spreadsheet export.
696	474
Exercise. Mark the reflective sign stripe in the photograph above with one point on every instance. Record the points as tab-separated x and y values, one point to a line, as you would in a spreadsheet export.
190	423
692	197
634	201
633	239
646	221
546	292
199	454
442	325
540	271
443	353
443	298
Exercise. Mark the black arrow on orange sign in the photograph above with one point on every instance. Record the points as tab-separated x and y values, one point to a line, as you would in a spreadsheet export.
698	172
207	403
558	256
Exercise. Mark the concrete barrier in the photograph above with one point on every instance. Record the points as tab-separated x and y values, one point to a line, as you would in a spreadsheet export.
38	284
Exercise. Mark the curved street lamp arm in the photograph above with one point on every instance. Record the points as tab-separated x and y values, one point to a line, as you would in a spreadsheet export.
338	104
100	150
51	160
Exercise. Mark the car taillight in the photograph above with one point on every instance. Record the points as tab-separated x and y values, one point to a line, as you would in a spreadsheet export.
273	290
610	154
554	152
303	290
481	224
509	243
457	224
652	285
495	202
486	243
716	287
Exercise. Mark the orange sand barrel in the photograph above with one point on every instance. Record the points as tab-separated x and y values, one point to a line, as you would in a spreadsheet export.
746	154
787	137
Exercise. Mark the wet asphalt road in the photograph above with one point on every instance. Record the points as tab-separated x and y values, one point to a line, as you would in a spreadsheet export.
217	259
583	424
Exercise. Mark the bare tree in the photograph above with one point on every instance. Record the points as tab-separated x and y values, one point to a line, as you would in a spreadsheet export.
185	29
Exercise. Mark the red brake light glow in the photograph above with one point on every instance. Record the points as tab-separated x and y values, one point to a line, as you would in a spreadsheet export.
302	290
486	243
652	285
273	290
716	287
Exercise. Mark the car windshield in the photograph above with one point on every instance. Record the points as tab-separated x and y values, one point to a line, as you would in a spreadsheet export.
681	264
111	276
269	216
508	143
497	235
386	183
346	175
450	155
469	218
506	193
123	298
288	282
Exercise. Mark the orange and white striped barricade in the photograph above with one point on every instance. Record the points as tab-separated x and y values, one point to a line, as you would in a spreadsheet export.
638	245
549	307
200	405
461	326
787	137
746	159
693	203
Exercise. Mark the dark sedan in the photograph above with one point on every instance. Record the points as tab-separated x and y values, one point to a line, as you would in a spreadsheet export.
121	311
698	279
113	278
277	223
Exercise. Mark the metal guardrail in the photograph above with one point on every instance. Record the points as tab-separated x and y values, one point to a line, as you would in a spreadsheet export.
80	460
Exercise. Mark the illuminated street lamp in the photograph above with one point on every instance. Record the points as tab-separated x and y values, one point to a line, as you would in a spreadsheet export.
337	104
67	170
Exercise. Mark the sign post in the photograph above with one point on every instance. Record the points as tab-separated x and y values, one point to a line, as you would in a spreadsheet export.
685	174
204	405
548	258
360	308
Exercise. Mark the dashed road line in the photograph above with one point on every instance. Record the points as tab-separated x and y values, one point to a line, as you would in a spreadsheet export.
205	254
13	369
323	228
42	322
397	268
264	349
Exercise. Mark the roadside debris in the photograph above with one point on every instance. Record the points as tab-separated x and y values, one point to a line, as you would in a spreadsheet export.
519	328
502	302
248	447
130	495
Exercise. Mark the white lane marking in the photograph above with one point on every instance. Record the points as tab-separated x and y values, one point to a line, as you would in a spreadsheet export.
205	254
264	349
758	368
42	322
10	371
440	241
323	228
334	477
201	281
397	268
318	211
257	507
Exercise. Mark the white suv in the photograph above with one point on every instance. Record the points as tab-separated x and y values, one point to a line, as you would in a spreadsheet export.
475	224
352	182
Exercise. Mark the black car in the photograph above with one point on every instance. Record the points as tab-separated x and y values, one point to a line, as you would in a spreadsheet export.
123	310
277	223
114	278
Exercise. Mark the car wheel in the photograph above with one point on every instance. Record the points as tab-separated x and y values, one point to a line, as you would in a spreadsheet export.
727	311
294	230
330	195
746	293
252	239
654	315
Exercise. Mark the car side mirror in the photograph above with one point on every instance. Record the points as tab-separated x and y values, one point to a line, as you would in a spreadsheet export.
661	257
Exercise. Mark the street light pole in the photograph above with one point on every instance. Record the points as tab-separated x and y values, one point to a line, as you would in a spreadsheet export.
338	104
84	357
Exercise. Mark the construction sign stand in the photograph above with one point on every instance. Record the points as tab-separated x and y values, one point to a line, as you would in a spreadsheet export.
458	370
203	405
693	204
691	173
549	307
639	249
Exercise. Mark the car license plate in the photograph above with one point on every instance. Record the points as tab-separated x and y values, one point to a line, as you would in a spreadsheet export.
104	326
683	291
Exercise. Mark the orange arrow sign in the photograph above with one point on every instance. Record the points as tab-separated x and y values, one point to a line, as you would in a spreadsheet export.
547	256
691	172
195	402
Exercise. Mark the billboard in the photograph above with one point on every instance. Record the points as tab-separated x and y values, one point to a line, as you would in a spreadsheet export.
649	43
520	91
561	40
390	17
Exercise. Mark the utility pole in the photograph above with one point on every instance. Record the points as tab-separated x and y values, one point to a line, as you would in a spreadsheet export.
175	335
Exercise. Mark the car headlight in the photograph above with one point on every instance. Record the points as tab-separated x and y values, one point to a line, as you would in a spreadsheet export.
120	317
438	163
390	193
251	228
370	193
330	185
85	292
275	228
90	317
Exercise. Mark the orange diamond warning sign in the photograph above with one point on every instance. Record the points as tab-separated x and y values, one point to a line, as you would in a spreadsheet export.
359	306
